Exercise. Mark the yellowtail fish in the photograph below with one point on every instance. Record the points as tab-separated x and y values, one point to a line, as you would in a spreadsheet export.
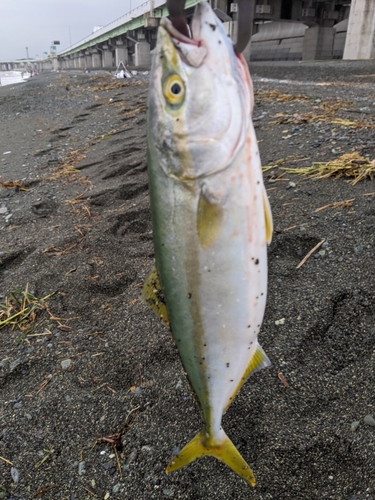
211	221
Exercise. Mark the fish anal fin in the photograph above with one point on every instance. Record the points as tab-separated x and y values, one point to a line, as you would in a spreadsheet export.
152	294
267	217
258	361
210	217
225	451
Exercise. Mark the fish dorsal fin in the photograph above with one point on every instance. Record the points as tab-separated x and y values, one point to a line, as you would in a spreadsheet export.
209	219
258	361
153	295
268	217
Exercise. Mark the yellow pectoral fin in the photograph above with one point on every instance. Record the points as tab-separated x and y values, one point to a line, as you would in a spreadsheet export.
268	217
225	451
209	221
152	294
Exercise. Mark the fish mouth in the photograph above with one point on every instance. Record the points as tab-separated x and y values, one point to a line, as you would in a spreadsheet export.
175	33
191	50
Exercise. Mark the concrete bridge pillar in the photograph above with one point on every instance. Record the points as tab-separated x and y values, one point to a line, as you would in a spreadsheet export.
81	60
121	54
96	59
318	43
88	60
107	57
142	55
360	38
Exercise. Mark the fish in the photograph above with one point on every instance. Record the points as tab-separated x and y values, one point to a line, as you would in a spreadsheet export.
211	221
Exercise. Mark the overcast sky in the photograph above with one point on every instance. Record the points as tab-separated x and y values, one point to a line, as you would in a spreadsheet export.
36	23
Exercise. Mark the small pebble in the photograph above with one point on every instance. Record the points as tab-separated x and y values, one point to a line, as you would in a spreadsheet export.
280	321
354	426
5	364
132	456
17	406
66	364
81	468
369	420
168	493
15	363
15	474
116	488
179	384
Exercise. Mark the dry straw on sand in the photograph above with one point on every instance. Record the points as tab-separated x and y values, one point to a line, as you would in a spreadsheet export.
350	165
21	308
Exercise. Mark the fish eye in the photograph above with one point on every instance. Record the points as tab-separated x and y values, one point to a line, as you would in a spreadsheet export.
174	90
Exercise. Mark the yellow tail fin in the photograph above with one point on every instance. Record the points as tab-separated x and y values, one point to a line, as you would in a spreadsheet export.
226	452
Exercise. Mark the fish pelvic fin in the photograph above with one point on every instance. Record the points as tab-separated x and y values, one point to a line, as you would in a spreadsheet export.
152	294
225	451
267	216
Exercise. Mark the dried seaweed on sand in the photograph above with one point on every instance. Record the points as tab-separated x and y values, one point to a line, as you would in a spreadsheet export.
350	165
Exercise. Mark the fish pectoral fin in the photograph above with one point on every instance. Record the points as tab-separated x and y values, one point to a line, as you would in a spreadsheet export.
225	452
267	216
210	217
152	294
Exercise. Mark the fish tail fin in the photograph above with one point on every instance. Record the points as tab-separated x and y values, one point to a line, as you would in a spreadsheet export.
200	446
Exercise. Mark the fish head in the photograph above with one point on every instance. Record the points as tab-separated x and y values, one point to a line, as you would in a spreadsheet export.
199	102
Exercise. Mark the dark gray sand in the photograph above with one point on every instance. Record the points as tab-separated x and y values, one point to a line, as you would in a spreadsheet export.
86	236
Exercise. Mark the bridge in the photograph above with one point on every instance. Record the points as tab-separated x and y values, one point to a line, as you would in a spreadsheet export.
129	39
283	30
